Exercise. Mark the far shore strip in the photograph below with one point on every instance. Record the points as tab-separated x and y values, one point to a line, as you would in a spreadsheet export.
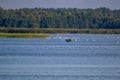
7	35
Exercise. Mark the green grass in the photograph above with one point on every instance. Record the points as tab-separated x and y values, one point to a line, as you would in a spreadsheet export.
10	35
59	31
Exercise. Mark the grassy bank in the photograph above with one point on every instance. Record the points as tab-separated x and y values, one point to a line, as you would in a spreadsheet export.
59	30
9	35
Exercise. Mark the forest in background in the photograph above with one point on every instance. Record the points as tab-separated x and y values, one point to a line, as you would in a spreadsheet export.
71	18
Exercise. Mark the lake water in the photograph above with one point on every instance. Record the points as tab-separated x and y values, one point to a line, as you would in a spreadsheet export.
87	57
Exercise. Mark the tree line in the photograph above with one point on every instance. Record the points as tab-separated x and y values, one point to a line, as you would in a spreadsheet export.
99	18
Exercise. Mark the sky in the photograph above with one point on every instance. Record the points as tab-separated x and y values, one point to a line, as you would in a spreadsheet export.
16	4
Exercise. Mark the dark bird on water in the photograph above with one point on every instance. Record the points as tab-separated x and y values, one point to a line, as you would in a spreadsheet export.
68	40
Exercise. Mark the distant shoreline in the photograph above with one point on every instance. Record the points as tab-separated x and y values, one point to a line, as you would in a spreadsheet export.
59	31
22	35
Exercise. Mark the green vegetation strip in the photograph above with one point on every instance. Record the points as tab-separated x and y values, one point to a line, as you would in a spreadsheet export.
6	35
58	31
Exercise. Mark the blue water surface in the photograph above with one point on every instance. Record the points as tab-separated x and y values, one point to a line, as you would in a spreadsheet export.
87	57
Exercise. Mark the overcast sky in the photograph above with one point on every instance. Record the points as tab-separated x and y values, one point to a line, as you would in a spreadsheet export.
13	4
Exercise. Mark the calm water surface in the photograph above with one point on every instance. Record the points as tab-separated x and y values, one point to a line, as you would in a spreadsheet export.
87	57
